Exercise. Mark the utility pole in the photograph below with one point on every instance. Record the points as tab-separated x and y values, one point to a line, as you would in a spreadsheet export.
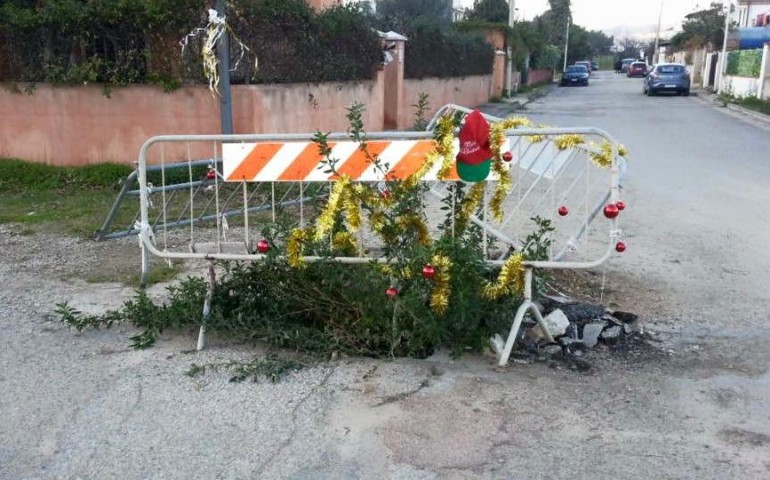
723	57
509	50
655	55
225	98
566	43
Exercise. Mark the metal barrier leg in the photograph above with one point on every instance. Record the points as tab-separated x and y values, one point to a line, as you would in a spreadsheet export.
528	305
145	276
207	306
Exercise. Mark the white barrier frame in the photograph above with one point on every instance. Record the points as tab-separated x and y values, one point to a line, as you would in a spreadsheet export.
148	248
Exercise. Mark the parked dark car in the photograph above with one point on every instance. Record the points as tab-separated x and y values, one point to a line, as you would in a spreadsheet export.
575	75
626	62
667	77
637	69
586	64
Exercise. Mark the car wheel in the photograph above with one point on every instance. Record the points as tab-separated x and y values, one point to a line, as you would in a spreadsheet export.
650	93
686	93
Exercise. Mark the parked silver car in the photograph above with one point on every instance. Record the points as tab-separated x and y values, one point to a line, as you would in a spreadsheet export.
667	77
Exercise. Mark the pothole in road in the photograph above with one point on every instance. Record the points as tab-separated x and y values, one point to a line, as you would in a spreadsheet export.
580	331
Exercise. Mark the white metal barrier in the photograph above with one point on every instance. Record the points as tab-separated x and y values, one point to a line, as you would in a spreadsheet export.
558	183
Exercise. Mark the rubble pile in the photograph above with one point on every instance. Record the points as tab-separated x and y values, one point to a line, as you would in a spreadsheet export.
577	328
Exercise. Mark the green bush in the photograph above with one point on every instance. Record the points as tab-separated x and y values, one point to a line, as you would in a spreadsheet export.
137	41
434	50
295	44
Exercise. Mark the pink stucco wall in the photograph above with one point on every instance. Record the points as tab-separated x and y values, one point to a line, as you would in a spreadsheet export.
539	76
468	91
80	125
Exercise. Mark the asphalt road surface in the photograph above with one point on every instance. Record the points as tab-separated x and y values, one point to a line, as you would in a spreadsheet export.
84	406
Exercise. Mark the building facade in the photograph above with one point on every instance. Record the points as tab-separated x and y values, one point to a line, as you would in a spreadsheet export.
752	13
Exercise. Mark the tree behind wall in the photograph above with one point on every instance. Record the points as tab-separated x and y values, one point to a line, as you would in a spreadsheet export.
701	28
492	11
400	13
436	48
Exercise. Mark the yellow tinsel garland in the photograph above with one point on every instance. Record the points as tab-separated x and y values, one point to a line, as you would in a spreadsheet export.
505	182
445	145
326	219
439	297
510	280
352	207
415	222
469	205
344	243
295	246
603	158
568	141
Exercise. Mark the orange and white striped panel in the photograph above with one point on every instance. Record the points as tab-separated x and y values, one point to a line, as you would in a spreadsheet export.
301	162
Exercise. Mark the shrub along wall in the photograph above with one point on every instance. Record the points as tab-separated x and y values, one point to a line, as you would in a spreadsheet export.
434	50
137	41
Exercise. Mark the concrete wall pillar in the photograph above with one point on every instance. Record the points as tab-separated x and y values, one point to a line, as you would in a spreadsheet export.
498	75
763	90
394	84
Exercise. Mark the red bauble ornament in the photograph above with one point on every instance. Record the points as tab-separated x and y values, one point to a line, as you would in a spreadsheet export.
611	211
507	156
385	194
211	174
429	271
620	247
391	292
263	246
563	211
621	205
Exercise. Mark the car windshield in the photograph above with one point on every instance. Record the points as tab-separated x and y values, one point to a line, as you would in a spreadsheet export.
636	65
670	69
576	69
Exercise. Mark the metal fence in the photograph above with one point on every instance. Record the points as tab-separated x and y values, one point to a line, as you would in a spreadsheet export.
563	185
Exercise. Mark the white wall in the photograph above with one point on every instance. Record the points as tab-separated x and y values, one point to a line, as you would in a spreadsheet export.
707	70
741	86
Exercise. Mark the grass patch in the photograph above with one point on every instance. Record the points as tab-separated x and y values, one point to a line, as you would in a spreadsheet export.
159	272
69	200
753	103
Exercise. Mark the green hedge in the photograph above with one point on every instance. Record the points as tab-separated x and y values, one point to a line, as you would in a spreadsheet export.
744	63
137	41
435	50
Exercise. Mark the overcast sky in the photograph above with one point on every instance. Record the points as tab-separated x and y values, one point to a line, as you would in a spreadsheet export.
617	16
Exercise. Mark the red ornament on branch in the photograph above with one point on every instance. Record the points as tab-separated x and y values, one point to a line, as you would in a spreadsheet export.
391	292
385	194
563	211
263	246
621	205
211	174
620	247
611	211
507	156
429	271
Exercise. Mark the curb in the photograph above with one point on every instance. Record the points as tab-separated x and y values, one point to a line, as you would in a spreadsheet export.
711	99
751	113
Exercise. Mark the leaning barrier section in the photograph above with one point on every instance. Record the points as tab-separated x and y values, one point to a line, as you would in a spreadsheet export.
268	175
